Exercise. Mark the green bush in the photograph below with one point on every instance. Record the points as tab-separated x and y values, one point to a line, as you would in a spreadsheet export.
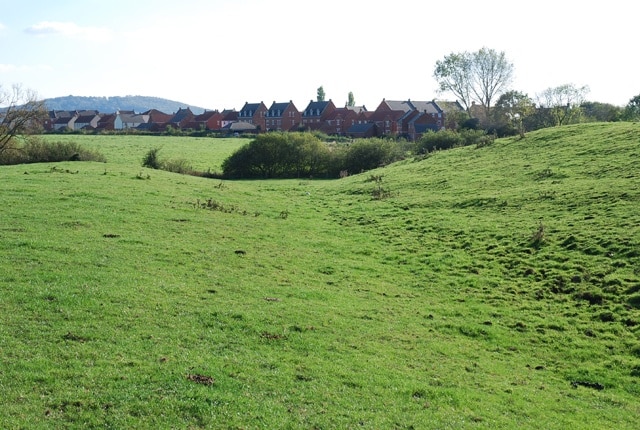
279	155
179	165
35	150
434	140
151	159
303	154
367	154
448	139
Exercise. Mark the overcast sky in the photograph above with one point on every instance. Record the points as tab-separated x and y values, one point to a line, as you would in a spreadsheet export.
219	54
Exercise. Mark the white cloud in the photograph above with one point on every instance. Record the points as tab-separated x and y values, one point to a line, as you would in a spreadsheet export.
69	29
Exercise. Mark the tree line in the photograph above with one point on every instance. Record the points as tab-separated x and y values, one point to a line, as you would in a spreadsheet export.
481	81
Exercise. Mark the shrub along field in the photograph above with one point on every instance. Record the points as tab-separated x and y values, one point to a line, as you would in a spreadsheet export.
481	287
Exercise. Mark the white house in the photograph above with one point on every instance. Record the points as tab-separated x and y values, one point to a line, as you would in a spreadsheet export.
129	119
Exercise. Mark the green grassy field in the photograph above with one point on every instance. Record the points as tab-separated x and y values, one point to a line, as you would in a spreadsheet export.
494	287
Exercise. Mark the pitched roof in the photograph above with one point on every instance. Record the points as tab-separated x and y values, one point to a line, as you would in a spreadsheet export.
277	109
157	116
63	120
110	117
361	128
449	106
357	109
206	115
249	109
423	118
134	118
182	114
428	107
402	105
316	108
240	126
107	121
85	119
383	115
229	115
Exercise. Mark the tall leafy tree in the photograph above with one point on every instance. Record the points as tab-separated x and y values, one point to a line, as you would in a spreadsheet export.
351	101
474	76
632	110
321	94
453	74
563	102
512	109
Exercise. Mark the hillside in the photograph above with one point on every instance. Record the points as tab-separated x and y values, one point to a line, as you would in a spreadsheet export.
484	288
111	104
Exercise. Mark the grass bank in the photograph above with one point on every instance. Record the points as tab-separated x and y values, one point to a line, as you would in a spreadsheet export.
496	287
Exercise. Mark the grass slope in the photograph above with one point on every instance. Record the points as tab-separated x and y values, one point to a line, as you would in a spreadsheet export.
496	287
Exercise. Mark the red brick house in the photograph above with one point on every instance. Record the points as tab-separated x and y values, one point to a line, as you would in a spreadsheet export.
387	119
408	118
282	117
433	110
254	113
87	121
420	123
181	118
157	119
208	120
316	113
229	116
107	122
339	121
389	116
60	119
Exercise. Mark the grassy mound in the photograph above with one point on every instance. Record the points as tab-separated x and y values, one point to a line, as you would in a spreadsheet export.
491	287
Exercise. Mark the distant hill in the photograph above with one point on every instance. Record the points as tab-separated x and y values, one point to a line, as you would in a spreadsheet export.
111	104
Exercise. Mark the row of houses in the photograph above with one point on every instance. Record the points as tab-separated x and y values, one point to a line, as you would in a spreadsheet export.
406	118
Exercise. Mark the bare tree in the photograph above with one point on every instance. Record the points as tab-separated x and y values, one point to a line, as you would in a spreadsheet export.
491	76
563	102
474	76
21	113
